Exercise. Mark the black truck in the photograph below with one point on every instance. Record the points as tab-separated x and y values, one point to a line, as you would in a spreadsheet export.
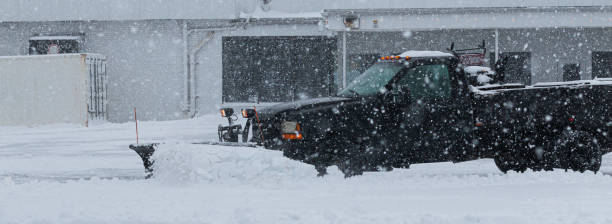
417	107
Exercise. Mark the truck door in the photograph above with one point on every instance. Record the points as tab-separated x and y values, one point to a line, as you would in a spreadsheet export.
435	118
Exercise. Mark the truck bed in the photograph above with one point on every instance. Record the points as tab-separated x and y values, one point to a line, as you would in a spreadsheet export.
543	108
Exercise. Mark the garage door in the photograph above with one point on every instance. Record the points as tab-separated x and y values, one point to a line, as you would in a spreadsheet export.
278	69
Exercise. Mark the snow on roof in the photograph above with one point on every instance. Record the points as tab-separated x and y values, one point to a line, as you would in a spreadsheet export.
69	10
55	38
273	14
424	54
474	70
115	10
575	83
43	56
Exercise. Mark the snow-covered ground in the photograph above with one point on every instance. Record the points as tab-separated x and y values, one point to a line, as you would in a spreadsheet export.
70	174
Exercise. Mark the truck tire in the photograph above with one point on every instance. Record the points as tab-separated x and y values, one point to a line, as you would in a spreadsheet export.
579	152
351	167
502	163
358	164
511	157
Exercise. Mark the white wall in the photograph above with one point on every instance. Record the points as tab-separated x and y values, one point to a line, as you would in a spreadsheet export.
319	5
102	10
37	90
461	19
73	10
145	63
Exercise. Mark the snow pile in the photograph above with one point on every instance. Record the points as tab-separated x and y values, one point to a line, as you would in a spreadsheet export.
187	163
476	70
71	174
483	79
251	9
479	75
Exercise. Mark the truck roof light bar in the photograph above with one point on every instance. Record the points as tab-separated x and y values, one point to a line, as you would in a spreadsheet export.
393	58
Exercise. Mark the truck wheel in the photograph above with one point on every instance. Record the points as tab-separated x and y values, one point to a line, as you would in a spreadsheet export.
514	153
321	170
581	152
351	167
586	157
507	161
521	168
536	167
294	153
596	163
502	163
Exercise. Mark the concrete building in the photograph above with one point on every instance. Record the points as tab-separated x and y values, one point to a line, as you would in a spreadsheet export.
175	59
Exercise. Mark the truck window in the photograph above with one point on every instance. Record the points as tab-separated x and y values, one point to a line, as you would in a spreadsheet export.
427	82
372	80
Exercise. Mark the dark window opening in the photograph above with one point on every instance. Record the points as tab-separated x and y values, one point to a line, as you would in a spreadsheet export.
602	64
571	72
517	67
278	69
54	45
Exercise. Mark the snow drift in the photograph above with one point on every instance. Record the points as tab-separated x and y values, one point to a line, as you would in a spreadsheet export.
71	174
187	163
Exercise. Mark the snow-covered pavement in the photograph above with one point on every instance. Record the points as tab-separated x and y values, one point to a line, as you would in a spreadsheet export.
70	174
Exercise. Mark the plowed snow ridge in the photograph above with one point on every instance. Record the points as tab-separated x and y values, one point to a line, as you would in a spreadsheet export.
69	174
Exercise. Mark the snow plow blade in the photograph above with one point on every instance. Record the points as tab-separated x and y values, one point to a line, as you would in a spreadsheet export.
145	151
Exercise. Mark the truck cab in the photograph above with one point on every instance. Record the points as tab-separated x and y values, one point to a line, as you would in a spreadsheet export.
409	108
418	107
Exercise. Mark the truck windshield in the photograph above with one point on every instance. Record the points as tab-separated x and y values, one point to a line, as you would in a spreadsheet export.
372	80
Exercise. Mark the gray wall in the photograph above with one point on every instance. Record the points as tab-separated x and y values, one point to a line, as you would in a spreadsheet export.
550	48
144	61
116	10
145	66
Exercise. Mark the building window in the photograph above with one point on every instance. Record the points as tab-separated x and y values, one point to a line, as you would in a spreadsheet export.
278	69
54	45
516	66
571	72
602	64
